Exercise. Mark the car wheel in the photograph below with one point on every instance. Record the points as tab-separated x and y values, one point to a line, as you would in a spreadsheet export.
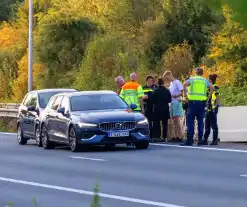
74	145
20	138
142	145
38	137
47	144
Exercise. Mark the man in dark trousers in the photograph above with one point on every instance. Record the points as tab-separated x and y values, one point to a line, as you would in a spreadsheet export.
212	112
148	90
195	92
161	98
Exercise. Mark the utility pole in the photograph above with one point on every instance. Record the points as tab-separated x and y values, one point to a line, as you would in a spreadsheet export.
30	47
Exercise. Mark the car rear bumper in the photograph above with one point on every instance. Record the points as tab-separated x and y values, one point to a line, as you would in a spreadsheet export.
97	137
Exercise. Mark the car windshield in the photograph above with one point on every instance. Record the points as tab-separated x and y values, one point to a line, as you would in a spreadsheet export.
45	97
97	102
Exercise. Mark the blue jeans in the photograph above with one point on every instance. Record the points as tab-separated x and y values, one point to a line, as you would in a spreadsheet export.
196	109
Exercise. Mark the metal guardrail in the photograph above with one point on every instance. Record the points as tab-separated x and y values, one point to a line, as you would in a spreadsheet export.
9	109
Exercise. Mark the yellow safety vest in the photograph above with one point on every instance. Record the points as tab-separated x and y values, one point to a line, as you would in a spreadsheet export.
213	99
131	92
198	89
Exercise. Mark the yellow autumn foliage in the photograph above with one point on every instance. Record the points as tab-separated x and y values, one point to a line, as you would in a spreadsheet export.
178	59
227	50
4	85
19	87
226	72
8	36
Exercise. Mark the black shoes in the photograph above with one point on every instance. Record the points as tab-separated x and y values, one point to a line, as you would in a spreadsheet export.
186	143
200	143
205	142
214	143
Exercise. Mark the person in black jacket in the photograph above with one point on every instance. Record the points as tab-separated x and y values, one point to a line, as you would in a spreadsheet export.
161	98
148	91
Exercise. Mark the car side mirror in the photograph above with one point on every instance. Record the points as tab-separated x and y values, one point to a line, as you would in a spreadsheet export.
31	108
61	110
133	106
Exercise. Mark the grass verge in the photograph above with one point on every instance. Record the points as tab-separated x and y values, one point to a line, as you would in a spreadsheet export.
7	124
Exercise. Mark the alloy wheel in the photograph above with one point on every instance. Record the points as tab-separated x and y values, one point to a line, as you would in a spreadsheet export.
19	134
72	139
44	136
20	139
74	146
38	137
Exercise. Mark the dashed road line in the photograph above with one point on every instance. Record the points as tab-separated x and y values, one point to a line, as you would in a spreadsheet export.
87	158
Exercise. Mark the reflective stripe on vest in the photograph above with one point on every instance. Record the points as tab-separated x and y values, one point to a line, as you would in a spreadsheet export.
198	89
130	90
146	90
213	99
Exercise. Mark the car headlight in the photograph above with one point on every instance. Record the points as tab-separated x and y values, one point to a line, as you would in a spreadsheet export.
84	124
144	121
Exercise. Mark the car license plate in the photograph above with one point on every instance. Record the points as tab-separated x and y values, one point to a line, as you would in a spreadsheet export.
118	134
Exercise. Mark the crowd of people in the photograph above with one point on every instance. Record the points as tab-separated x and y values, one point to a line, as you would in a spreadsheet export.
167	98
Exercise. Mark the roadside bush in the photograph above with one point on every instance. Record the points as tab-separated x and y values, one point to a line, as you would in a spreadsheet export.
233	96
22	79
106	58
178	59
61	41
7	124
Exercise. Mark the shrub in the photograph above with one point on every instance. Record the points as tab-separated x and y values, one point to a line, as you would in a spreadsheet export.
233	96
178	59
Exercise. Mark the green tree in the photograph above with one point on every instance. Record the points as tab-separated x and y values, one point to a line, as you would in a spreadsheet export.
182	20
191	21
239	7
60	45
7	9
107	57
228	52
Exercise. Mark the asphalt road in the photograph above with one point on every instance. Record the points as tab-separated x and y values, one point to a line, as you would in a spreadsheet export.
168	176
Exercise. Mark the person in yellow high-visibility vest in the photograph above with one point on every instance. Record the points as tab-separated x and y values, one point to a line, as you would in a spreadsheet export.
132	93
212	112
196	95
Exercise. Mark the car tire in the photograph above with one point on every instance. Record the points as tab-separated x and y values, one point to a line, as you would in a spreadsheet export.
38	136
47	144
142	145
73	143
20	138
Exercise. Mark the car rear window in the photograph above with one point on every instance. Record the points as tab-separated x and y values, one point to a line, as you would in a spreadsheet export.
45	97
97	102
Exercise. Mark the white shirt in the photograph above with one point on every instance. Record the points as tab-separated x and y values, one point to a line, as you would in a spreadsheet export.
175	88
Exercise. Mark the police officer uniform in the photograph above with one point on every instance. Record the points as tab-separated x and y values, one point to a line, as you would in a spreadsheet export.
211	118
197	97
131	92
148	107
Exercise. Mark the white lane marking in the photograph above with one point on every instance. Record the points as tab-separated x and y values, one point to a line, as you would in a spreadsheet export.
103	195
232	130
202	148
243	176
88	158
7	133
177	146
